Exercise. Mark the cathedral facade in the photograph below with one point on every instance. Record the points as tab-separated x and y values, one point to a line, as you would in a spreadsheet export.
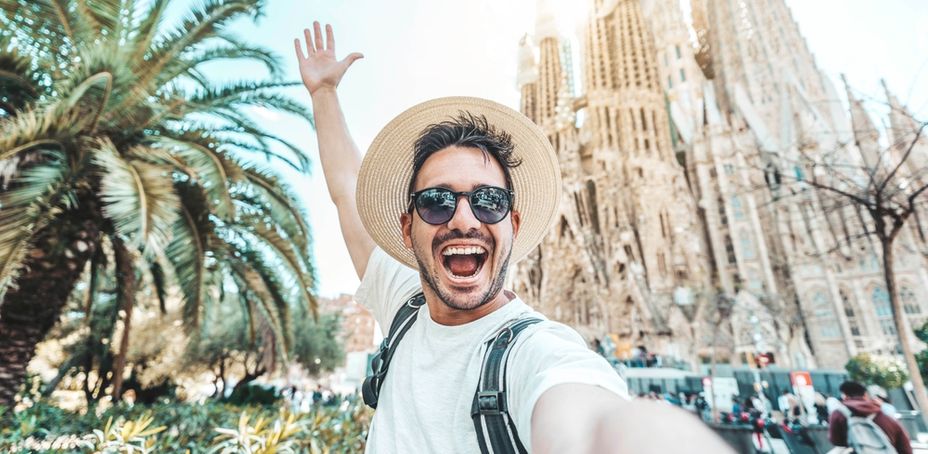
682	229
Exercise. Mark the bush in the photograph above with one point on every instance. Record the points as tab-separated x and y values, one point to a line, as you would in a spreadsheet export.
254	394
876	371
43	427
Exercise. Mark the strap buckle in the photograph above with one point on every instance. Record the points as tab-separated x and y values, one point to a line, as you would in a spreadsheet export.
490	403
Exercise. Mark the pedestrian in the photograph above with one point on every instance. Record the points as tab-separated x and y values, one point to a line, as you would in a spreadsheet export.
449	195
788	405
856	402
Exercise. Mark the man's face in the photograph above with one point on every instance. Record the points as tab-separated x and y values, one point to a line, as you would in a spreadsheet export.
462	279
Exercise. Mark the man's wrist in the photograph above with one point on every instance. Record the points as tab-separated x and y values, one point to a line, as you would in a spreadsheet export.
324	91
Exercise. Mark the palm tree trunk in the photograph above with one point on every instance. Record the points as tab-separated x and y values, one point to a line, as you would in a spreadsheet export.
30	309
125	278
903	330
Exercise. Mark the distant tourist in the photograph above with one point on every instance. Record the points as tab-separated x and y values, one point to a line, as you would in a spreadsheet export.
864	414
789	405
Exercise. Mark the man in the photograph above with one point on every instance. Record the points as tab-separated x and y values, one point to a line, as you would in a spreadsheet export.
789	406
854	396
450	193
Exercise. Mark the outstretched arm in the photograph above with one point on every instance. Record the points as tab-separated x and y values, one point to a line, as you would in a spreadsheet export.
341	160
588	419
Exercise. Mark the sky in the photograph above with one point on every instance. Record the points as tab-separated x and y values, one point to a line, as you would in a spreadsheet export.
421	49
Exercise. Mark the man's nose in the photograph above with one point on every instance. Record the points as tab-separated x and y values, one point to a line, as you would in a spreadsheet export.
463	218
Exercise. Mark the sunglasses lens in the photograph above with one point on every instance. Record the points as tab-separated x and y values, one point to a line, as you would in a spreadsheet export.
490	205
436	206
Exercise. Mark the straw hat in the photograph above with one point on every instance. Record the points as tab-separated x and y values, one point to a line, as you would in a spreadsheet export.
387	168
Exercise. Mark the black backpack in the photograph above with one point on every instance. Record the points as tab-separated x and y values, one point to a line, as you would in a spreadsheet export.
489	410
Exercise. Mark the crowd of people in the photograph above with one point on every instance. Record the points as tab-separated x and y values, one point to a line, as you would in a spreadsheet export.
856	405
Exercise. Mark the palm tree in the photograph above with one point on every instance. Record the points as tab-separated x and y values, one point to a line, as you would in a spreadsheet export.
118	155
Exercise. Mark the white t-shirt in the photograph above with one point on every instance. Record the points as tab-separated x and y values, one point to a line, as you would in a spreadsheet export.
426	398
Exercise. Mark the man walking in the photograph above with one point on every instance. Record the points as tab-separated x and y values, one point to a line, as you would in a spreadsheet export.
857	402
450	193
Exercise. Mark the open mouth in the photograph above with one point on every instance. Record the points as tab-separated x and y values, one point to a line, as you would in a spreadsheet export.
463	262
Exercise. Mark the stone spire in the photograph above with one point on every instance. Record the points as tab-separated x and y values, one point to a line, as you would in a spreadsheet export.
756	48
550	68
527	79
902	124
865	133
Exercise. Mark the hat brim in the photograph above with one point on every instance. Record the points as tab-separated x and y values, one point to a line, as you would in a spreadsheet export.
387	168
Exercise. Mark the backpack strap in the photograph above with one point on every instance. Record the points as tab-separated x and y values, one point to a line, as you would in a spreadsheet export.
490	411
845	411
402	321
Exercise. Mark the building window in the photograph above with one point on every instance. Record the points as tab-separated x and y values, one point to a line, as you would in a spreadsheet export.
723	218
682	75
669	82
729	250
909	304
884	311
729	169
747	246
850	313
880	300
736	209
825	315
665	225
888	327
679	52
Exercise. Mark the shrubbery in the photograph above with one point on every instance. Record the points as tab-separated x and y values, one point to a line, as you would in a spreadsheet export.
335	429
876	371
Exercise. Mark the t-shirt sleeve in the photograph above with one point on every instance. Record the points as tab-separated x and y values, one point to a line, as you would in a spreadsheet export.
386	285
552	354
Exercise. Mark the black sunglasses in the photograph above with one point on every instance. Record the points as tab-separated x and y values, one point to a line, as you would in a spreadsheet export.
489	204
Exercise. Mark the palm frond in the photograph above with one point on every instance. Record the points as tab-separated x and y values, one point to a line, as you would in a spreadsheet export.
138	197
259	279
147	30
282	206
158	282
100	15
297	265
34	198
244	126
229	138
203	23
247	93
35	128
211	167
190	249
18	80
183	66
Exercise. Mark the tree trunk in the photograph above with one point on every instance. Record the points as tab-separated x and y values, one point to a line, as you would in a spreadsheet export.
125	282
49	273
902	329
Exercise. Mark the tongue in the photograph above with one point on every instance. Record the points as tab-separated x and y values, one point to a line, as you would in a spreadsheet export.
462	265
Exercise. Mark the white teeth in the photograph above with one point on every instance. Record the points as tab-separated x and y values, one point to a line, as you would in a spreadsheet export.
465	250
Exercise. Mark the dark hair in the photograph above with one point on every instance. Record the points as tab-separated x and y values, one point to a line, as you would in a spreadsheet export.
852	389
465	130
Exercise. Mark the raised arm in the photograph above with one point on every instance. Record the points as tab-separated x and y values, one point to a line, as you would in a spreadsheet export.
341	160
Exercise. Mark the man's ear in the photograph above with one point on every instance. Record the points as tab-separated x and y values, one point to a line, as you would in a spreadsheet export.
406	227
516	222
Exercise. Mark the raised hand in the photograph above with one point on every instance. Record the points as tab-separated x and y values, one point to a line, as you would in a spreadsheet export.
320	69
